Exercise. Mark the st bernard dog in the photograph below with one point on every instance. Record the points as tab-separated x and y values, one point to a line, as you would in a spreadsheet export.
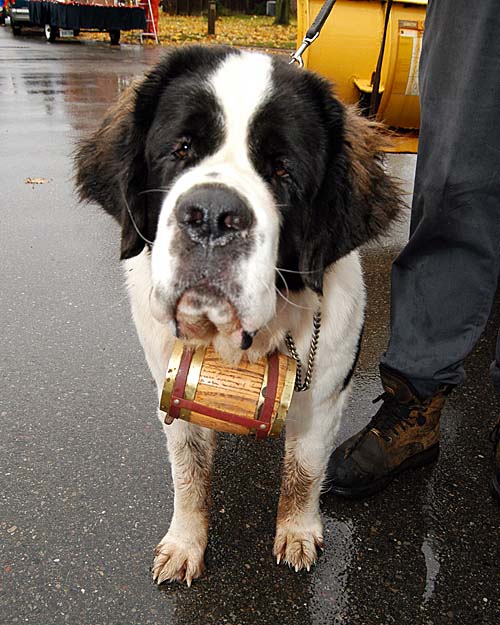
244	189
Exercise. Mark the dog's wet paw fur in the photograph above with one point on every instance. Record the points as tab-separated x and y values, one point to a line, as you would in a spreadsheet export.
297	547
177	561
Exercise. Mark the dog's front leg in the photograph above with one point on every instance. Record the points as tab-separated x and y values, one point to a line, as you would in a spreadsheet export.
179	555
310	434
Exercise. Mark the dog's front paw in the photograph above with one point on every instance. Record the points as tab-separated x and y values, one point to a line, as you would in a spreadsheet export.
297	546
176	559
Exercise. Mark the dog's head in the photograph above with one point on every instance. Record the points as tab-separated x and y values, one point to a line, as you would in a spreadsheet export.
238	173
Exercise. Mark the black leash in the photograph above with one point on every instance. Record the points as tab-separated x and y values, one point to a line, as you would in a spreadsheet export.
378	70
313	33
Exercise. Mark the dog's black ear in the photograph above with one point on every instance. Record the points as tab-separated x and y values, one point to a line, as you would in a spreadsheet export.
111	170
357	199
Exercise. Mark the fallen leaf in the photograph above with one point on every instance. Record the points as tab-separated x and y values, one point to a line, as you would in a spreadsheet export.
36	181
256	31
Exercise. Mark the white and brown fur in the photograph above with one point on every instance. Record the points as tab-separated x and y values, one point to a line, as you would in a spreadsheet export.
306	174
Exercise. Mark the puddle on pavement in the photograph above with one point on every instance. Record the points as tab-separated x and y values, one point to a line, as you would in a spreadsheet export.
330	598
432	545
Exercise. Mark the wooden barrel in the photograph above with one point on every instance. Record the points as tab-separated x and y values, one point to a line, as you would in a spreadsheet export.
249	398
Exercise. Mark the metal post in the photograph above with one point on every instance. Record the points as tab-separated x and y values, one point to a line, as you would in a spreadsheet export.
212	16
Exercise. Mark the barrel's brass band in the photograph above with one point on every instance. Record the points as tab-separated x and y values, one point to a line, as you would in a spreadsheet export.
285	399
193	379
261	399
170	375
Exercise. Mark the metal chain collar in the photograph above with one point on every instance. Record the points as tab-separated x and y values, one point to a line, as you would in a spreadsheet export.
290	343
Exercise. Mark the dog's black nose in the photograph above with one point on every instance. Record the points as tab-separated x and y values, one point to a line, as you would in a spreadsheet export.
212	213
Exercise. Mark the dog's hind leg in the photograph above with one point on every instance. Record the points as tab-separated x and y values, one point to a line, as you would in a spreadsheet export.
179	555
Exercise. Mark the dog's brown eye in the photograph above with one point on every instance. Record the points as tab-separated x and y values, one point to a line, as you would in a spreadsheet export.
279	169
181	150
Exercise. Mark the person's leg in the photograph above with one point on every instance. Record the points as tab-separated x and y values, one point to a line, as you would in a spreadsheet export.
444	281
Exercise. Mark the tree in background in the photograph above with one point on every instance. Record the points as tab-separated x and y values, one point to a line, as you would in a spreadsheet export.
282	12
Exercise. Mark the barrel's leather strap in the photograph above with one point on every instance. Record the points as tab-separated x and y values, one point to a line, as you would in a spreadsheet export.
180	382
220	415
271	388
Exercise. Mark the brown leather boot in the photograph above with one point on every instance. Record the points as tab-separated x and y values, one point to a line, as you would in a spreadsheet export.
404	434
495	480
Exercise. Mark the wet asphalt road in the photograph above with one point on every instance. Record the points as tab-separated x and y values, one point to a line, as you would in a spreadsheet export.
85	490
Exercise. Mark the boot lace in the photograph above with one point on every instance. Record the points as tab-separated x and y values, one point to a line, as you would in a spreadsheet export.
393	416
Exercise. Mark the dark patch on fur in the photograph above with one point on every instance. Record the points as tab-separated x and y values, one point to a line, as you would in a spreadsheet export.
296	487
125	163
337	195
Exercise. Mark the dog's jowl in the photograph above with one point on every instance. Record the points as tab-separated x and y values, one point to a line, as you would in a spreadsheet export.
243	189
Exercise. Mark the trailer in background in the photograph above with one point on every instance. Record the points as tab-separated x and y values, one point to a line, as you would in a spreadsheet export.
60	18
